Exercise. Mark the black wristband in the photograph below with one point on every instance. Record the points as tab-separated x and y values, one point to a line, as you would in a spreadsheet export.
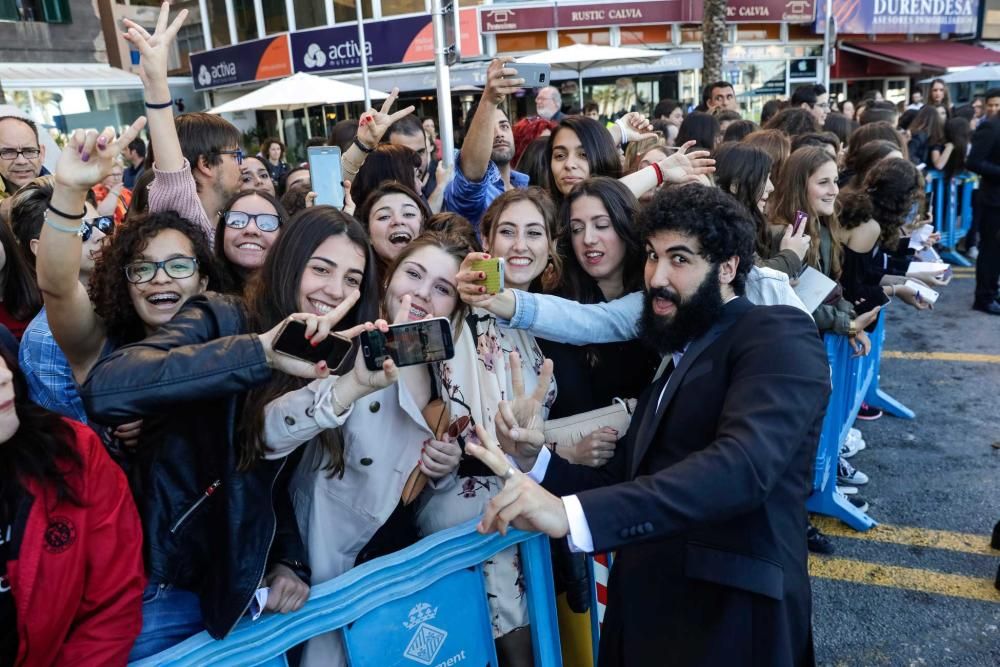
66	215
362	147
165	105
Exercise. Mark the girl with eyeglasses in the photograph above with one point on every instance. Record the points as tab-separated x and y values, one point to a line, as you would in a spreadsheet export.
251	222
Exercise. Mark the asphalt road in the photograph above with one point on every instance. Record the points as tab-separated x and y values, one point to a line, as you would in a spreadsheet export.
924	596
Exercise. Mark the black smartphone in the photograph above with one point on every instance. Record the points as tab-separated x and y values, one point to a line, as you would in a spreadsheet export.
408	344
292	341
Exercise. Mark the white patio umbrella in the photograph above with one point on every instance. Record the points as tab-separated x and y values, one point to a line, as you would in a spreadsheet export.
580	57
984	72
298	91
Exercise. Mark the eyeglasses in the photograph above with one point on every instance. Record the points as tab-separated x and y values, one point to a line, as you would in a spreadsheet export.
175	267
266	222
12	153
104	224
237	153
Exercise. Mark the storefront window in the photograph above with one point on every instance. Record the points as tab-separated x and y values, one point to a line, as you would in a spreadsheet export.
645	35
246	21
802	32
758	31
343	10
600	37
691	34
275	17
755	83
309	14
521	41
397	7
217	23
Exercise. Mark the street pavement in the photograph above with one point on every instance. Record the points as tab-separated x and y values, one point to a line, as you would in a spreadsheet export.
918	588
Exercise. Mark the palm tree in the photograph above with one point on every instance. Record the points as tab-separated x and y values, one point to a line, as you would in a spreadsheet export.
713	39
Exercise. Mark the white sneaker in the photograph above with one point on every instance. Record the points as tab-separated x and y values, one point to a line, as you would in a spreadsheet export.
853	444
972	253
847	490
848	475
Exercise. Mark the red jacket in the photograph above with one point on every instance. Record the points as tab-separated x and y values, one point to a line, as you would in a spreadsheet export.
78	578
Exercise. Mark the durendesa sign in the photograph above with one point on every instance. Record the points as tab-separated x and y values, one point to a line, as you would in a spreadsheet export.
258	60
903	16
501	18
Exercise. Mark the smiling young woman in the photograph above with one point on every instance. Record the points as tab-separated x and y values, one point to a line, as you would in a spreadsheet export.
251	222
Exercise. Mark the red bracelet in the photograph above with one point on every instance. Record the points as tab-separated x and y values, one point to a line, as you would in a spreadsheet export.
659	173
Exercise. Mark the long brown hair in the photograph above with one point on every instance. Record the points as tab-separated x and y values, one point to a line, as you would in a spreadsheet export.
792	194
272	295
552	276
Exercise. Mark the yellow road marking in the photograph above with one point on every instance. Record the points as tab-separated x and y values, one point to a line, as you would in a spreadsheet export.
942	356
969	543
893	576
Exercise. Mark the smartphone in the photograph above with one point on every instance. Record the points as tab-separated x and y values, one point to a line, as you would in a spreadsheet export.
408	344
292	341
326	176
535	75
493	268
800	219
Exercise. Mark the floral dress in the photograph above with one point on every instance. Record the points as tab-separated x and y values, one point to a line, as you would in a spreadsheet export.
475	380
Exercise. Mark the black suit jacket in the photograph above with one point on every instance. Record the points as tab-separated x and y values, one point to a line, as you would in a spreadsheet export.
984	159
704	500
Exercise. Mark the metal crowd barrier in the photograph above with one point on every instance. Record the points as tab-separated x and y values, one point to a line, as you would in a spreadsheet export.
952	210
855	381
424	605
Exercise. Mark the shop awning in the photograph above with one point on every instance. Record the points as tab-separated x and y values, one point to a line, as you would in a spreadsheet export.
48	76
937	54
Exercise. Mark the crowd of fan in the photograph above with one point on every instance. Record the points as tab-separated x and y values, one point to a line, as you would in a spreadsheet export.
166	279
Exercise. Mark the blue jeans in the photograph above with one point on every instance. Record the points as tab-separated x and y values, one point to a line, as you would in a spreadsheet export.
169	616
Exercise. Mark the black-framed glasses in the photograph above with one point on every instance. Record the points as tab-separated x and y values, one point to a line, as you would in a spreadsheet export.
175	267
237	153
104	224
266	222
12	153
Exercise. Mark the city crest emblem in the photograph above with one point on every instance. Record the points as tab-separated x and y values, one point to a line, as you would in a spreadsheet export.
427	640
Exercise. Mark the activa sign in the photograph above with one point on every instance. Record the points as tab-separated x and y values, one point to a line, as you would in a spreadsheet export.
259	60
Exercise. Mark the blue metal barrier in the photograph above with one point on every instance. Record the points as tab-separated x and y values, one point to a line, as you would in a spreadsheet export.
952	213
424	605
855	381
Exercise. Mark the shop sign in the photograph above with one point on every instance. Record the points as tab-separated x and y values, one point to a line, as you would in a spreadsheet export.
387	42
258	60
500	18
902	16
770	11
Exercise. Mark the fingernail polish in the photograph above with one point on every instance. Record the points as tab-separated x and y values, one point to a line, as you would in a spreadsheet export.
85	157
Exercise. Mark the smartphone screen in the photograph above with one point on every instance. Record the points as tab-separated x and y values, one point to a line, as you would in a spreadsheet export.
409	344
493	268
293	342
326	176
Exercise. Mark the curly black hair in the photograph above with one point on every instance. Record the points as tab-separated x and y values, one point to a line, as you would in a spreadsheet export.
722	225
894	185
108	286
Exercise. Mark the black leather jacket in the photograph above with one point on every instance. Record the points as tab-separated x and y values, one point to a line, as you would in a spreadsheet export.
207	526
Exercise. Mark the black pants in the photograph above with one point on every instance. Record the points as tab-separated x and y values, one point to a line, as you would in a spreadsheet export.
988	262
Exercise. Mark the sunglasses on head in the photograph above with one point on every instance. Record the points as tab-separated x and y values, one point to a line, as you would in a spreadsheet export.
266	222
104	224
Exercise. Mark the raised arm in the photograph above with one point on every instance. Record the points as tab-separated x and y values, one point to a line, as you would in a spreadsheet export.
86	160
681	167
372	126
474	158
155	50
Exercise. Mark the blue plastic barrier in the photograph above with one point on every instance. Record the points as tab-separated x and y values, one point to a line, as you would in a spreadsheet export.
855	381
952	213
424	605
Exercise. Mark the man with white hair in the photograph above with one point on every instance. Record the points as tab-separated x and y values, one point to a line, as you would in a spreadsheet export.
548	103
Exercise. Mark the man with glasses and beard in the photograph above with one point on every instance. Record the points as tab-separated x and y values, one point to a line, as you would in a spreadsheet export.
21	154
482	167
704	497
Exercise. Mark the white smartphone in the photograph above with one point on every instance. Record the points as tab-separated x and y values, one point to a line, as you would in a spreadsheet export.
326	176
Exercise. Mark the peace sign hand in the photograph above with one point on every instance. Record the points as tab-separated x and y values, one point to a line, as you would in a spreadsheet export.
522	502
155	49
520	422
89	157
684	167
373	124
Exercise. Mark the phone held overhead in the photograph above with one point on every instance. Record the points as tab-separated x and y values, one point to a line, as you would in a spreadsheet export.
326	175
